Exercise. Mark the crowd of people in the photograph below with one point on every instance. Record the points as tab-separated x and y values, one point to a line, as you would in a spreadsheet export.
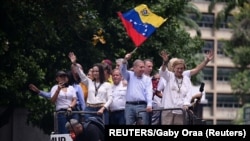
121	95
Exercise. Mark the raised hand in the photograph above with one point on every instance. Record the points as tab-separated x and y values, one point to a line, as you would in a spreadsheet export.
61	85
72	57
128	56
34	88
210	55
164	55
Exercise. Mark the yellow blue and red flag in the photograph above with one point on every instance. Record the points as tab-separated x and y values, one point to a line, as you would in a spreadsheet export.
140	23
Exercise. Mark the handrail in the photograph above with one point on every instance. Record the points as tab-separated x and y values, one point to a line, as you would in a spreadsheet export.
72	112
164	109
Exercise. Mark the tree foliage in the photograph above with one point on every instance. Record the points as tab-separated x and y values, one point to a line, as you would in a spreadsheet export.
238	48
230	6
36	37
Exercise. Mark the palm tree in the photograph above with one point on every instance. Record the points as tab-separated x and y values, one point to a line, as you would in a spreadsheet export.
187	21
238	48
239	45
226	11
181	16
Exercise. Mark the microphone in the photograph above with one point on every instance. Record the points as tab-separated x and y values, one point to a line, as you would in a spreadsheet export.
202	87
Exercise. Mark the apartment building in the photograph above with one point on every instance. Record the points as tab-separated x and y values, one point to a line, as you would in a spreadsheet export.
222	105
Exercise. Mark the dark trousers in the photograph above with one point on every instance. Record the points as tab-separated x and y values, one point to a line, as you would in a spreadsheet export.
117	118
105	117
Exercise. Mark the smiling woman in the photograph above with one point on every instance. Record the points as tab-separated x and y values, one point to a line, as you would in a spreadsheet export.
177	92
99	91
64	96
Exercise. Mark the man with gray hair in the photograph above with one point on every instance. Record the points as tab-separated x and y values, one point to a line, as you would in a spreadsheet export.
139	92
80	132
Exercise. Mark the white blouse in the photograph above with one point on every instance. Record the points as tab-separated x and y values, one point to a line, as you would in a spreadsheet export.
177	93
64	99
97	94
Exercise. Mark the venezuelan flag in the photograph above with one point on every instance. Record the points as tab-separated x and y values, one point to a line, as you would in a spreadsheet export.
140	23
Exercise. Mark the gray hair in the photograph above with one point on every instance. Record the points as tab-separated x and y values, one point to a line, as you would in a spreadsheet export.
71	123
137	61
119	60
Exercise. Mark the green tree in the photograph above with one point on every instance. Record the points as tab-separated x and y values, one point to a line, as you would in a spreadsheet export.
230	6
35	41
238	49
186	20
36	37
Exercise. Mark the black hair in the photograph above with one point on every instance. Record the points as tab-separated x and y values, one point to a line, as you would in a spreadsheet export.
101	72
72	80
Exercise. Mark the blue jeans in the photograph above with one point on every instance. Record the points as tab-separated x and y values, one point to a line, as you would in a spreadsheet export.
117	118
79	116
156	115
62	120
95	109
131	114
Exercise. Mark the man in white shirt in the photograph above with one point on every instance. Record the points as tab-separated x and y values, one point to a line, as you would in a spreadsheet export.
117	107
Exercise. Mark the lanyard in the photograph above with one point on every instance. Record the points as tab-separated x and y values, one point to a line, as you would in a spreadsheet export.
96	88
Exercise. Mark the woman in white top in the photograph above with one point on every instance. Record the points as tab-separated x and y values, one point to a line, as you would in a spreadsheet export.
99	91
64	97
177	93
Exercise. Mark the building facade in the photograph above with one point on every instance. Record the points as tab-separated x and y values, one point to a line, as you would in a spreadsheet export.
222	105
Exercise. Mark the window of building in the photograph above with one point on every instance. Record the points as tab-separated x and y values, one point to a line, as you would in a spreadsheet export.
219	122
224	74
227	101
224	122
208	45
220	48
246	114
209	97
206	21
209	122
208	73
223	100
224	23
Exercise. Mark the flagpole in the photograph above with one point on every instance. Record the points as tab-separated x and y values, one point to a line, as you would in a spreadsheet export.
133	51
